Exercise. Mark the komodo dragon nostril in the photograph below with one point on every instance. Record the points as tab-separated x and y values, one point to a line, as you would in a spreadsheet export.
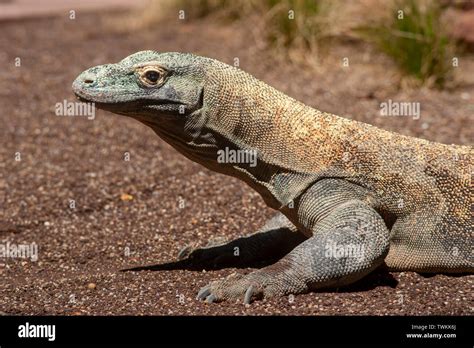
88	79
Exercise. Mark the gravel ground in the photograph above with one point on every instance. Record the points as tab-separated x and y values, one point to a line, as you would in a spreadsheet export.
128	213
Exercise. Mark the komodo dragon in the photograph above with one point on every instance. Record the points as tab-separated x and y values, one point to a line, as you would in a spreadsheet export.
349	197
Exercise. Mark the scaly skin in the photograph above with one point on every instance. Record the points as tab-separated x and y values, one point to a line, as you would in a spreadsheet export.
338	184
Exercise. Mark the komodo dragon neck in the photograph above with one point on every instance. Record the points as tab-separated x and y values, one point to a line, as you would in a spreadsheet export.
241	113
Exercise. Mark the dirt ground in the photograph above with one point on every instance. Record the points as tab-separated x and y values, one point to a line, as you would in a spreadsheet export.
128	213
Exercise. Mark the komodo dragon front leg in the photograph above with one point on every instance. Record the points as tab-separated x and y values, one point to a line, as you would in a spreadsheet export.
270	243
337	223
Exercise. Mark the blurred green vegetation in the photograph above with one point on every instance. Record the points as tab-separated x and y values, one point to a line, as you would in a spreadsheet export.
295	22
286	22
415	41
203	8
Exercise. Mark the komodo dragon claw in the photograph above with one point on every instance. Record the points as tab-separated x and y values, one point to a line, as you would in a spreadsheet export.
235	287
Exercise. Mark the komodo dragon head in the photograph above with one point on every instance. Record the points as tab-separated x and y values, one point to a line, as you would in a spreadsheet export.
156	88
170	92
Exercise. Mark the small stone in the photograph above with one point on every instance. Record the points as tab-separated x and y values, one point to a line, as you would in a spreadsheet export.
91	286
126	197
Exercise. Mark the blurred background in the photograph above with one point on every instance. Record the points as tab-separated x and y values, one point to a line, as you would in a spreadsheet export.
101	194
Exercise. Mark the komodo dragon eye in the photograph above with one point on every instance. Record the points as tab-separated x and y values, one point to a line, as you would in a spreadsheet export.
151	76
